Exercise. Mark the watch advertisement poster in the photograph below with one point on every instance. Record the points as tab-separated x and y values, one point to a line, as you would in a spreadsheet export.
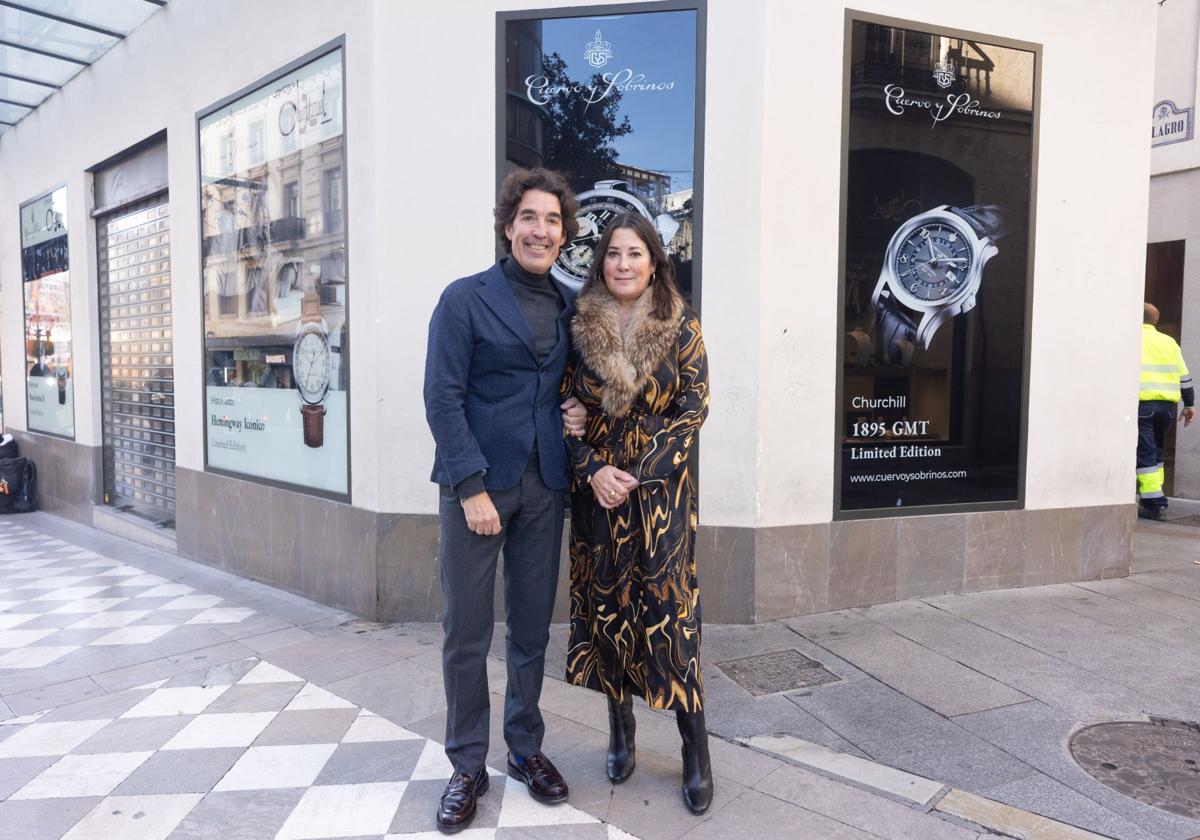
46	282
273	254
609	101
936	262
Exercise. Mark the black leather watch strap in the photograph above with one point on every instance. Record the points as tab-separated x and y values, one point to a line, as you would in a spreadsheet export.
892	327
990	220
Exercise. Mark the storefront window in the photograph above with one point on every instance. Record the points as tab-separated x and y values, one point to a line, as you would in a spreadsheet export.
275	328
935	269
45	272
610	101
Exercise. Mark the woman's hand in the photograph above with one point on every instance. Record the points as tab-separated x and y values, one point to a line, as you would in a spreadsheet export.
574	416
612	486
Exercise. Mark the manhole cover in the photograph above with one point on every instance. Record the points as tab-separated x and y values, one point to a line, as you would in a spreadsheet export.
1193	521
783	670
1156	763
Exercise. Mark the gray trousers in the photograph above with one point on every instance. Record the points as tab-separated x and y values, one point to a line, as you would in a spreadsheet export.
531	520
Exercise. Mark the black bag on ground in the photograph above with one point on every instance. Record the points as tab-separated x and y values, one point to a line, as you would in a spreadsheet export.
12	479
27	498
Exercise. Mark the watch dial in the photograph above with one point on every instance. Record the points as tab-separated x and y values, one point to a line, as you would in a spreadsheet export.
310	364
933	262
594	217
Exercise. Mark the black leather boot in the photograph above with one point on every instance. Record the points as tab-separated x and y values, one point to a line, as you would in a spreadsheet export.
621	727
697	769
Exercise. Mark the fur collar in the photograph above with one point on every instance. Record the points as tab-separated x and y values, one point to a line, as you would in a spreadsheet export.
624	361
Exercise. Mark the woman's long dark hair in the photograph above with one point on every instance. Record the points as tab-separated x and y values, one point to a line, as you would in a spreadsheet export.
662	279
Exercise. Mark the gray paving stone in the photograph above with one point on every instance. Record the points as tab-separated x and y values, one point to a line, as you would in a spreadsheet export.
49	697
855	807
257	625
188	638
423	694
158	616
381	761
265	642
588	831
98	707
1143	620
180	771
134	735
43	819
326	661
139	674
754	814
733	712
28	679
894	730
80	636
1038	674
238	815
1037	735
255	697
93	659
320	726
15	772
1122	658
220	667
944	685
48	620
1043	795
1133	591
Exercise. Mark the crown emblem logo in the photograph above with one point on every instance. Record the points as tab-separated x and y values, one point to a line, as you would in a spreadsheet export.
598	51
944	74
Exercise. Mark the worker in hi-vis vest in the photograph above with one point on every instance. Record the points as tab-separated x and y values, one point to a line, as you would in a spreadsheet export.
1165	381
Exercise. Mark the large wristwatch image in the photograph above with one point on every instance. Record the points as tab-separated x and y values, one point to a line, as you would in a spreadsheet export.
310	368
931	273
598	207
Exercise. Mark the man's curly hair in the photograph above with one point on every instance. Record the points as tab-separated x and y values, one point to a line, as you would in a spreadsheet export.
520	181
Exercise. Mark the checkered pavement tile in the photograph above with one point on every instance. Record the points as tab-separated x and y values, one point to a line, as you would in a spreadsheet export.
243	746
248	741
47	585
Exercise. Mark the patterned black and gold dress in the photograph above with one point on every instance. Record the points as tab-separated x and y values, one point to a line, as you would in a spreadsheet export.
635	603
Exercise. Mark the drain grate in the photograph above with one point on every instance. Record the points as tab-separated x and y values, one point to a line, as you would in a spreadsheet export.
783	670
1193	521
1157	763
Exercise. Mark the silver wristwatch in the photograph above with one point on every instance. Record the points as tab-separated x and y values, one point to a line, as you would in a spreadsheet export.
931	273
598	207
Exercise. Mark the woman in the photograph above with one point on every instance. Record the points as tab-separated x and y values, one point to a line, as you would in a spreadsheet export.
639	367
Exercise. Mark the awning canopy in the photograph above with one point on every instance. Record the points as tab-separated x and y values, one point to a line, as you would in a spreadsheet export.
44	43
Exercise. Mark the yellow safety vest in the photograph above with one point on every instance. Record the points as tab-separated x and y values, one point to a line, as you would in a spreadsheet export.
1163	370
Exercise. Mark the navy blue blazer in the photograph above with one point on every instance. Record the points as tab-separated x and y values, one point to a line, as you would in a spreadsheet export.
487	397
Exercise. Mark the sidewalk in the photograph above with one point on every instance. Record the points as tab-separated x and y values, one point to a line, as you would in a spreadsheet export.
145	696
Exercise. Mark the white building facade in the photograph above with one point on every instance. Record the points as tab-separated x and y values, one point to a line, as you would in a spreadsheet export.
248	187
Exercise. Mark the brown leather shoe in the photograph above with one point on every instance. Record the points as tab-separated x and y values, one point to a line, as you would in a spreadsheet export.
457	808
544	781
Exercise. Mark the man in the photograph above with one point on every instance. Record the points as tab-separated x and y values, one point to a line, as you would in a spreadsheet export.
498	345
1165	380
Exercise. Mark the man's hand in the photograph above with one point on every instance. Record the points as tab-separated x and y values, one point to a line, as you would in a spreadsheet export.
481	514
574	416
1189	414
612	486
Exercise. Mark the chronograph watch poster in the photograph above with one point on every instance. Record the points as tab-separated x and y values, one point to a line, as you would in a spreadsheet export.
939	163
609	98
